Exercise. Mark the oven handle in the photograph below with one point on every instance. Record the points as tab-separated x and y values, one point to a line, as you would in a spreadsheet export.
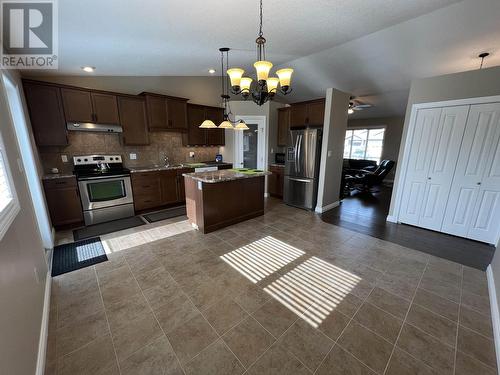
103	177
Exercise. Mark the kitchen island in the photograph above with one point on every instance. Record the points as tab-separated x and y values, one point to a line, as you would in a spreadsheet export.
221	198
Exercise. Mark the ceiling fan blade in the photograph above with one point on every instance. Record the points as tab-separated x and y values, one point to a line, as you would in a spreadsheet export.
357	108
363	105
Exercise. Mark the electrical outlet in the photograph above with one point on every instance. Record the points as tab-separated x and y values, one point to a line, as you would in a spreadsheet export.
133	156
329	153
64	158
191	154
37	278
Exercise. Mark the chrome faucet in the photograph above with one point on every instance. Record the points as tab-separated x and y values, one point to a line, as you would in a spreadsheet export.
166	161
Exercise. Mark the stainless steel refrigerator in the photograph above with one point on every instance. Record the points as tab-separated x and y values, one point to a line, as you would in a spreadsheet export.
302	168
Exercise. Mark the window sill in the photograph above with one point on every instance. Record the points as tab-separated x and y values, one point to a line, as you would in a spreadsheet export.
7	216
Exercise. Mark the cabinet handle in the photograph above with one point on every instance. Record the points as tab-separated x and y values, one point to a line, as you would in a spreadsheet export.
479	183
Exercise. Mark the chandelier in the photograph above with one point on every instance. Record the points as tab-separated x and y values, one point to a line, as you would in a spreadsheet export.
227	122
266	87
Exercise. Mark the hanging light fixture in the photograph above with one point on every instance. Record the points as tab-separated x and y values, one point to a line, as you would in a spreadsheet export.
266	87
226	123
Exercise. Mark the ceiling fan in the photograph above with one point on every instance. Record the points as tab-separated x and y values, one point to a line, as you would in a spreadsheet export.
357	105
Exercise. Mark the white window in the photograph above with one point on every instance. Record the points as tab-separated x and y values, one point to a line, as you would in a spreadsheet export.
364	144
9	205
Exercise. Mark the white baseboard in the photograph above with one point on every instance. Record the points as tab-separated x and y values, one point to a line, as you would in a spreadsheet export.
495	315
328	207
392	218
44	328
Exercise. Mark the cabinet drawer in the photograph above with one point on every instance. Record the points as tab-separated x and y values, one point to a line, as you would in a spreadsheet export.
144	202
56	183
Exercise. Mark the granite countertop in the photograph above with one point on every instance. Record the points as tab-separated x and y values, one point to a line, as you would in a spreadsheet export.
277	165
223	175
52	176
154	168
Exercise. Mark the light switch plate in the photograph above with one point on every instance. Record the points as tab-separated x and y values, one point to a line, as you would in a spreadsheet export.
64	158
133	156
329	153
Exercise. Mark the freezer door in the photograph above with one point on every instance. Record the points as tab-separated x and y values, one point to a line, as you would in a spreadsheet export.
300	192
291	164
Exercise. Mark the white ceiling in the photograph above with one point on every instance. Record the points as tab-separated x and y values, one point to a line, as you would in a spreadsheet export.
372	48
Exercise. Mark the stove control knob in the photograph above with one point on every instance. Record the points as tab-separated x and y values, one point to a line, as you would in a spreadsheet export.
85	159
78	159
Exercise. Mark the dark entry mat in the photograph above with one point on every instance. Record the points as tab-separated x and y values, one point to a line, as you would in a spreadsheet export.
165	214
73	256
109	227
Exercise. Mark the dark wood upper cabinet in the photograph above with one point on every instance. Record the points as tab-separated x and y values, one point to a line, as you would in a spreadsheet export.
77	105
316	113
195	135
177	114
63	201
105	108
166	113
309	113
46	113
157	112
298	115
133	120
283	125
215	137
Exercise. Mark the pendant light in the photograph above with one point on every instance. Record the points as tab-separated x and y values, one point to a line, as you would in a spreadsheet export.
226	123
266	87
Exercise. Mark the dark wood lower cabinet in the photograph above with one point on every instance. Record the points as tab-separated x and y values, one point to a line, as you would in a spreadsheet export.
275	181
63	201
156	189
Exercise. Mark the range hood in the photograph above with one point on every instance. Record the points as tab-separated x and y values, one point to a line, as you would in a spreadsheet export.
91	127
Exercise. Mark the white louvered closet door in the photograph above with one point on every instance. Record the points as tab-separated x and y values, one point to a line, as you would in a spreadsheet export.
442	167
420	155
473	196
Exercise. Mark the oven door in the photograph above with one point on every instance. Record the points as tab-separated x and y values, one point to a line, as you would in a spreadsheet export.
100	192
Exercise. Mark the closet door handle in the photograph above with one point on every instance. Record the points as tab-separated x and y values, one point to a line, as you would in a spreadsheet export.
428	178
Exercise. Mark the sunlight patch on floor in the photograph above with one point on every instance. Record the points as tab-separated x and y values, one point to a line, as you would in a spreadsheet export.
261	258
142	235
313	289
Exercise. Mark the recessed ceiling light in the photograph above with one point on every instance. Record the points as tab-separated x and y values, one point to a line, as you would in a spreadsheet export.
88	69
211	71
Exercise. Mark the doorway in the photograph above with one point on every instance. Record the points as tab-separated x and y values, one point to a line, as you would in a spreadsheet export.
250	145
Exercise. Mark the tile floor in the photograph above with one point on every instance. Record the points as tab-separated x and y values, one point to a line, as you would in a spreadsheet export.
281	294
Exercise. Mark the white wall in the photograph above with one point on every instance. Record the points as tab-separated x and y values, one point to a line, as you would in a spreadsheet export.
332	150
21	255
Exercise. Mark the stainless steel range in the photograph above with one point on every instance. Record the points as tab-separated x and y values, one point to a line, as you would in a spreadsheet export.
105	188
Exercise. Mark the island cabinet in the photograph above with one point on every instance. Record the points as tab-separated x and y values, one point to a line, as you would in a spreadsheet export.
63	201
203	137
46	113
275	181
310	113
283	125
90	106
133	120
166	113
217	200
156	189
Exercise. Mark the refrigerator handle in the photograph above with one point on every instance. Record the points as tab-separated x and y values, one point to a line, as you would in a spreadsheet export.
295	153
298	153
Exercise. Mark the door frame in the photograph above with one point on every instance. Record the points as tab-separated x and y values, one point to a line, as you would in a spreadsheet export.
262	140
397	193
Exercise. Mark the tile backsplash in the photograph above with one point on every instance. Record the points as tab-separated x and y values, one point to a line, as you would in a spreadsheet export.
161	144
